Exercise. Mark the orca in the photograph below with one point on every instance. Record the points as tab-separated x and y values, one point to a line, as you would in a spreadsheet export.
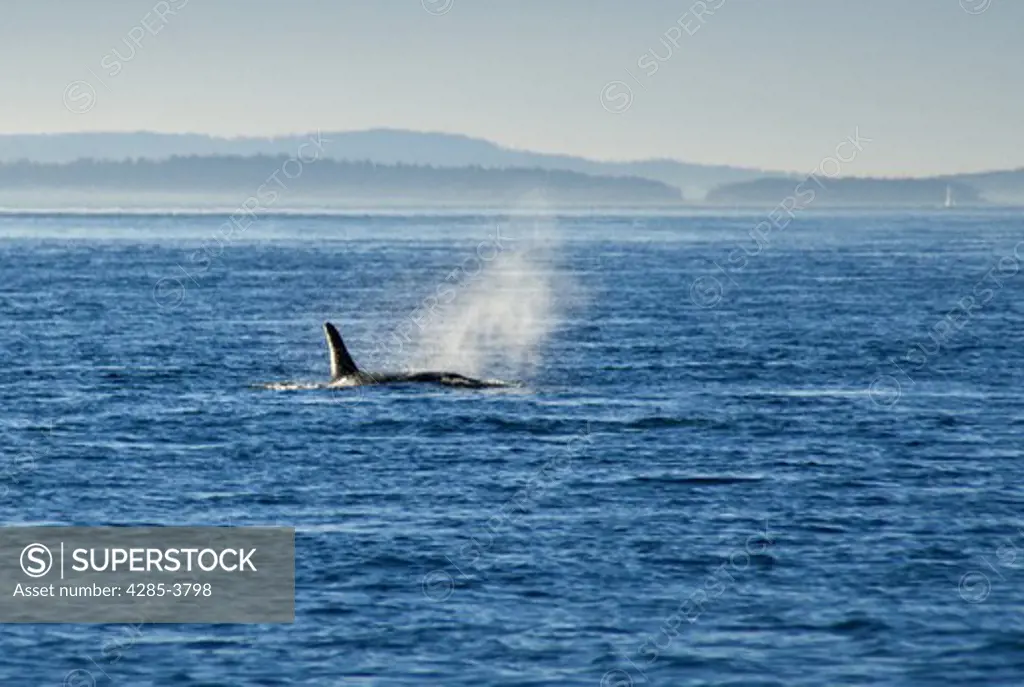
345	372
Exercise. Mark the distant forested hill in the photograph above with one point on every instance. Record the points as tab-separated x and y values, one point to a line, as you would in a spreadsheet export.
382	146
846	191
339	181
431	149
994	187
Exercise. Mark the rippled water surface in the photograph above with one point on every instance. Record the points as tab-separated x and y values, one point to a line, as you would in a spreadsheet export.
794	463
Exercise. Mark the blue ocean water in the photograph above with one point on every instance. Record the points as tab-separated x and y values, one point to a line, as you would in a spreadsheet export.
730	462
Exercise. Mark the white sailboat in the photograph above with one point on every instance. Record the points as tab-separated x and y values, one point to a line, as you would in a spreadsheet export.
949	197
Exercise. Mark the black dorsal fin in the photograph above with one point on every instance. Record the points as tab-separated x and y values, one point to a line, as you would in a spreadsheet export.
342	364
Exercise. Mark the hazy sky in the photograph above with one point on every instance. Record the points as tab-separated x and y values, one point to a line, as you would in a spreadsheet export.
769	83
